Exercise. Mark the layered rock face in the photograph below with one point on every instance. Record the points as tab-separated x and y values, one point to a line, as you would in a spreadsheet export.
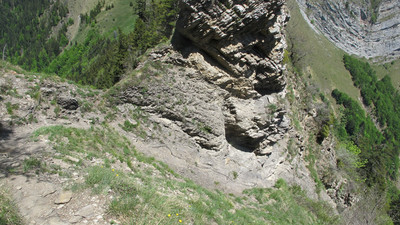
218	96
348	25
244	37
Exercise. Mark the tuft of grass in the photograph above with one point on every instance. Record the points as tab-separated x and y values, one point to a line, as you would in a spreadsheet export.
9	214
128	126
34	92
11	107
33	164
235	175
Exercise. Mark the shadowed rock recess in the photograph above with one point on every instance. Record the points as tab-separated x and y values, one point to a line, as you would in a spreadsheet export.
218	96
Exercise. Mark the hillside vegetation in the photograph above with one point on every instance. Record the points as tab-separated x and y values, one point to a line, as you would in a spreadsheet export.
138	188
28	36
366	119
344	113
105	52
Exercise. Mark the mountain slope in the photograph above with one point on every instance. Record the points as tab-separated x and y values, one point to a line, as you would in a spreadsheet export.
223	102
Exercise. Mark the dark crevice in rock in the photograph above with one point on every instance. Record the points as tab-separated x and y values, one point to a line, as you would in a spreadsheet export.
239	140
5	132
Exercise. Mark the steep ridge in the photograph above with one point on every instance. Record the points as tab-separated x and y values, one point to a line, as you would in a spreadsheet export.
220	95
350	26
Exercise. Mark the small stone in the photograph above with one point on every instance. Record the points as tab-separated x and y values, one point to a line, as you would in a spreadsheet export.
75	160
86	211
64	197
18	187
15	164
75	219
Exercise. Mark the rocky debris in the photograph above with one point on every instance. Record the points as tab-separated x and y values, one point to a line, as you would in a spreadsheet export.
72	159
348	25
340	191
87	211
34	100
245	38
67	102
36	200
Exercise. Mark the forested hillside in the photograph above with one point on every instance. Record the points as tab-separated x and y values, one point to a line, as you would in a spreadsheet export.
378	149
28	34
34	36
101	60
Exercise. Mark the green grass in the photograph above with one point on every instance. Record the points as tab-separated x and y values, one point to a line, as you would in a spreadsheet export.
11	107
122	16
151	193
316	56
9	214
33	164
159	200
392	69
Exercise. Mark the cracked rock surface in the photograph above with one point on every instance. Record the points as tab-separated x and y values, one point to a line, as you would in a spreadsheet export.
244	37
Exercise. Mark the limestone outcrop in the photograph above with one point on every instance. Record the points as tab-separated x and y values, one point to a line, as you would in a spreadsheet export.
348	24
219	94
244	37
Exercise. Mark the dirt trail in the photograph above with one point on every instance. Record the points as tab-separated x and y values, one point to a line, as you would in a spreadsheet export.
42	198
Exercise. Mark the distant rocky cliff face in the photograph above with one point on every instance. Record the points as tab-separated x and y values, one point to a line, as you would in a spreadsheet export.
348	24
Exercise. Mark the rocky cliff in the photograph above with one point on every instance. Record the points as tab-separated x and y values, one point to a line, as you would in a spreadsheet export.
244	37
350	26
220	96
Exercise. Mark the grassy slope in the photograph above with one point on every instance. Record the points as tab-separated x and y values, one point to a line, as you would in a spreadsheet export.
150	193
77	7
122	15
316	56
